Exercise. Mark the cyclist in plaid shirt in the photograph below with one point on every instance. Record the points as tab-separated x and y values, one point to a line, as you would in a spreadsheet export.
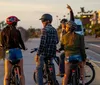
48	42
47	47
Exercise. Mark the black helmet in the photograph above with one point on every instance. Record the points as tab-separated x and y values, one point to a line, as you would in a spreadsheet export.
63	20
46	17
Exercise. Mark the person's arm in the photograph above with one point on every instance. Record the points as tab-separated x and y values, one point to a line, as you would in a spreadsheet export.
21	41
62	44
82	48
71	13
3	39
42	42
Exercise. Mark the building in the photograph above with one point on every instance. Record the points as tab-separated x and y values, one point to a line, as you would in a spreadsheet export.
96	18
86	18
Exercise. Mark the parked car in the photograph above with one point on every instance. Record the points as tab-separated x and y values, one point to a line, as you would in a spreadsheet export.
80	29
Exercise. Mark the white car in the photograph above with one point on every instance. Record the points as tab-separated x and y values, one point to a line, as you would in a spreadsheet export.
80	29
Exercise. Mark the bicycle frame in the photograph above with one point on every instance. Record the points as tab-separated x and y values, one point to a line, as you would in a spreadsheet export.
49	68
15	74
74	73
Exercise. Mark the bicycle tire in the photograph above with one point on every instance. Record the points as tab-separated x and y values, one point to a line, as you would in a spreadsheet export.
44	77
17	79
93	72
11	80
52	80
74	79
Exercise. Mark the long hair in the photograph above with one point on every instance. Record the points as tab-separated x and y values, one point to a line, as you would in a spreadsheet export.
10	33
72	38
71	32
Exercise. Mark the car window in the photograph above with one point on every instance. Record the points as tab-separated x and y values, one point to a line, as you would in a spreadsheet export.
78	28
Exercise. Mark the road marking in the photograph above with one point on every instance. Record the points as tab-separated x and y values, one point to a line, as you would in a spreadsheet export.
95	53
95	61
95	45
95	65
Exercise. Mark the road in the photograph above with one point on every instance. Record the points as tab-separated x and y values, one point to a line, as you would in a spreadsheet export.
29	63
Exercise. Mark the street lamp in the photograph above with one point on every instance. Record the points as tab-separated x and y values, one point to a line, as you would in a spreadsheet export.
57	20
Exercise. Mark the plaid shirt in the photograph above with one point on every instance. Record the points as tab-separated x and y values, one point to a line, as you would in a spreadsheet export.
49	39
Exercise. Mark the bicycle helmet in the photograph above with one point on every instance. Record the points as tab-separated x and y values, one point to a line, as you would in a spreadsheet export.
46	17
72	25
11	19
63	20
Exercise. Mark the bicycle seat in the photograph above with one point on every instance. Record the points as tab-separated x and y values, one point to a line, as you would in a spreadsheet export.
14	62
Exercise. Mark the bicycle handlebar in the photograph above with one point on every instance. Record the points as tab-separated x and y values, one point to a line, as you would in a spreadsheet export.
58	51
36	49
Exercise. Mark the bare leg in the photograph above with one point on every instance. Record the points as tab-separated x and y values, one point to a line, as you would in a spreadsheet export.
66	75
22	72
82	72
7	70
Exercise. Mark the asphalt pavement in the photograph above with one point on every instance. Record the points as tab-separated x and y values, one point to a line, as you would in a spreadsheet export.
29	65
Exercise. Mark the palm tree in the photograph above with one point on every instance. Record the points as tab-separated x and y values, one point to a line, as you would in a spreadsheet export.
2	24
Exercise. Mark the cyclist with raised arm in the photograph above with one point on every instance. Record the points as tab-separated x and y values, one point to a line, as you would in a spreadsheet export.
11	41
47	47
74	48
62	56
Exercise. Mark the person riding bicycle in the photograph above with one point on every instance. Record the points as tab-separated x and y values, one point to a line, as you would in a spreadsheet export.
62	56
11	41
47	47
74	49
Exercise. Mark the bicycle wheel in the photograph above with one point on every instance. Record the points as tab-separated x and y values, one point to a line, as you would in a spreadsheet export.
17	80
74	79
44	78
17	75
89	73
52	78
11	80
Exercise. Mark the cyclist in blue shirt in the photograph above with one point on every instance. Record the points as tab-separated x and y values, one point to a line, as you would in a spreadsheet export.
11	41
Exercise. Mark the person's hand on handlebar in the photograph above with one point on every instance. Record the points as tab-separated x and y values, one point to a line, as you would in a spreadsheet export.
26	49
58	51
36	58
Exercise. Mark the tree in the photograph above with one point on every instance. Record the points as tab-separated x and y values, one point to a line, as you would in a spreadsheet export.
24	33
34	33
2	24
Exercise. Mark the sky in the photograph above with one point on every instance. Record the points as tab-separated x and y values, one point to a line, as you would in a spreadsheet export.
29	11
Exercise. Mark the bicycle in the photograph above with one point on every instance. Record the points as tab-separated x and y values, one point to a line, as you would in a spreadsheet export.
89	71
74	78
15	73
48	71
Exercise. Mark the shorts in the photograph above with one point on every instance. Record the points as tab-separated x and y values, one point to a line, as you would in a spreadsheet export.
14	54
73	57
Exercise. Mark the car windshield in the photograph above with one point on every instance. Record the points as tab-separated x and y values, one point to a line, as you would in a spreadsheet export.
78	28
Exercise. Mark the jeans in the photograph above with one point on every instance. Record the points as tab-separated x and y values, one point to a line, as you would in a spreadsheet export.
61	64
39	67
